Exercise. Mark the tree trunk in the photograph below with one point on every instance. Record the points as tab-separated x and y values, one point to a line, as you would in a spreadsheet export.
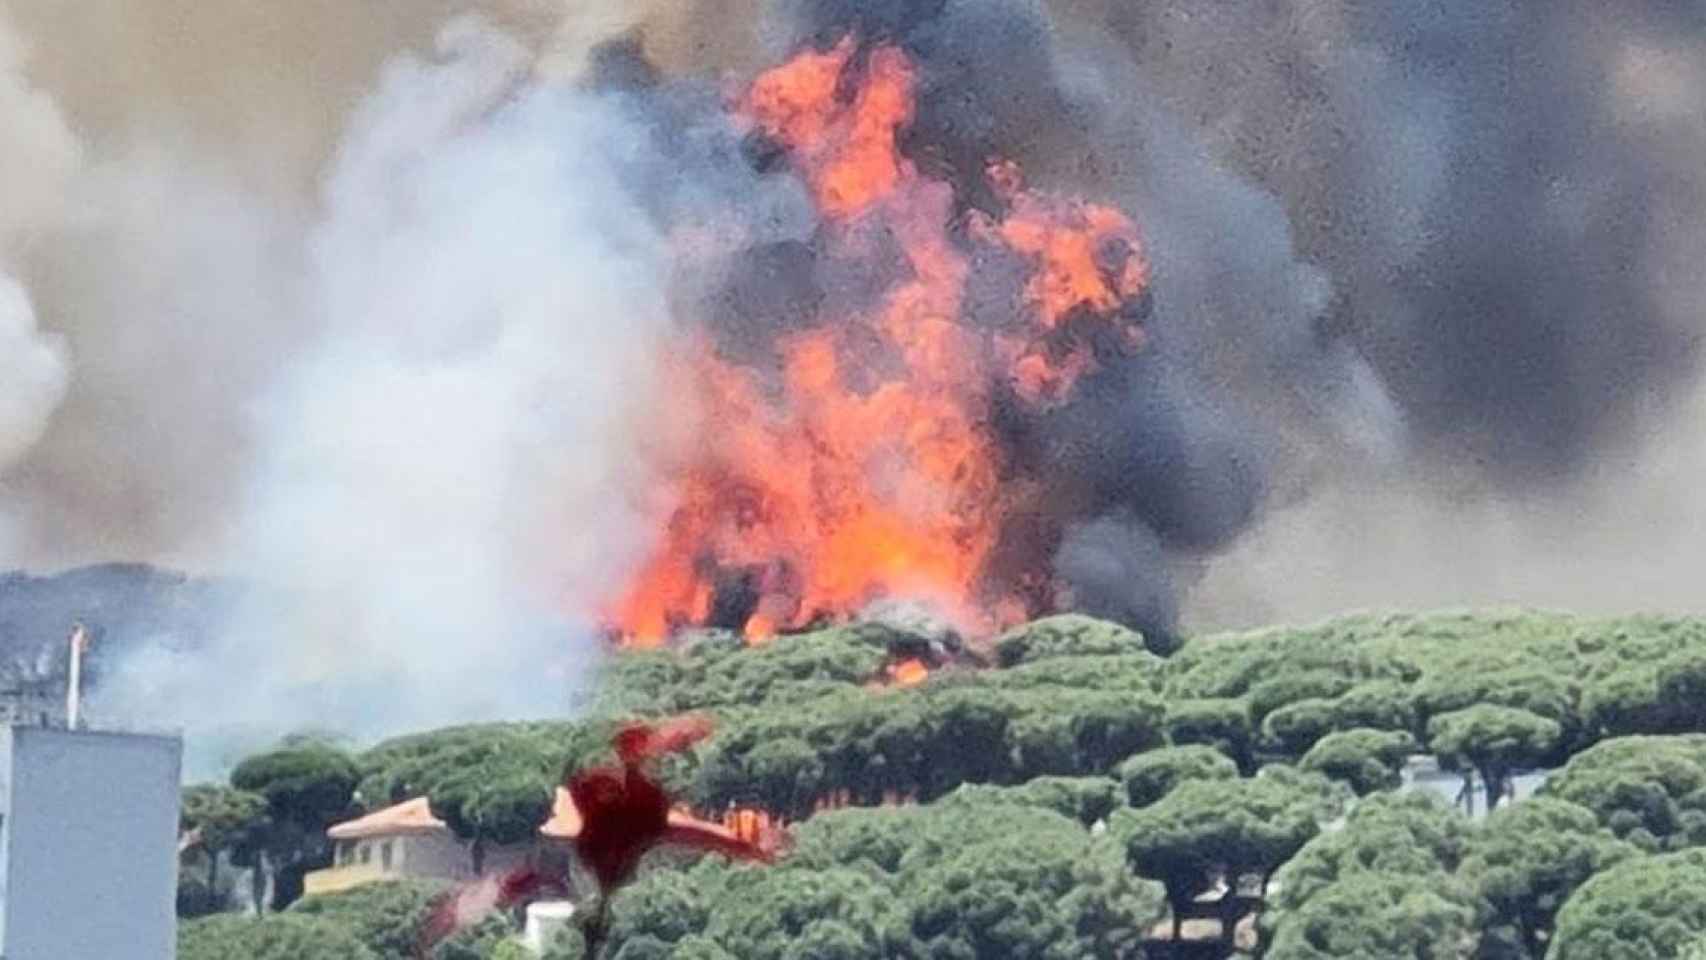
1495	781
477	854
213	872
258	884
287	883
597	929
1230	915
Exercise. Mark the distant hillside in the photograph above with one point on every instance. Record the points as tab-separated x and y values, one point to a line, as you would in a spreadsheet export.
122	605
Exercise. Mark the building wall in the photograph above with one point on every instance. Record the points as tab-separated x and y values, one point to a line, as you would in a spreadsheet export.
32	707
499	859
338	879
442	855
414	855
89	845
546	920
434	855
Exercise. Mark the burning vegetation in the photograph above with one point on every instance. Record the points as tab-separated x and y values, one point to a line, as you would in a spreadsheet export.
864	451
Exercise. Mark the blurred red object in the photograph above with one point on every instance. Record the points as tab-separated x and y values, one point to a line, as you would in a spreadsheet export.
611	817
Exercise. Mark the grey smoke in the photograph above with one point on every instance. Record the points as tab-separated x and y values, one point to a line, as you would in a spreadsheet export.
33	369
1180	447
33	373
444	472
1517	328
1416	255
38	153
38	156
1426	284
1501	196
1483	183
1116	568
174	277
405	408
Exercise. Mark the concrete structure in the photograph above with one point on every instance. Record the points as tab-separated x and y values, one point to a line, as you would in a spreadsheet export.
36	705
402	841
88	844
546	919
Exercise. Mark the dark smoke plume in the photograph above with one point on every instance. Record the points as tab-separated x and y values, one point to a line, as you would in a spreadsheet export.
1156	459
1501	196
1487	203
1445	236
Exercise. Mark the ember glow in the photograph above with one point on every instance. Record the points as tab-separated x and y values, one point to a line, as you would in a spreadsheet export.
866	464
908	673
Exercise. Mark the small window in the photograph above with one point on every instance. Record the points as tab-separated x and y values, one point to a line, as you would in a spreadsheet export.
367	853
385	856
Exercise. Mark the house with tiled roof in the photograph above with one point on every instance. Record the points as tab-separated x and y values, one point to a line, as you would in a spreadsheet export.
565	822
402	841
407	841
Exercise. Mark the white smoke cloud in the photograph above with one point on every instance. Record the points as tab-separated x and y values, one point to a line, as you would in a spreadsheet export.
38	157
443	470
33	373
175	273
38	154
176	290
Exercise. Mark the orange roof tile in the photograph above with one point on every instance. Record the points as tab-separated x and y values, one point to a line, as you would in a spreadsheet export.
411	816
565	822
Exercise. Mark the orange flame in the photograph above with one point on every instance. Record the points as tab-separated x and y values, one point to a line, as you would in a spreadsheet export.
866	467
908	673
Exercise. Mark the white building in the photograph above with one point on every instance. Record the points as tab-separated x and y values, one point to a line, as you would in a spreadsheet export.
546	920
88	844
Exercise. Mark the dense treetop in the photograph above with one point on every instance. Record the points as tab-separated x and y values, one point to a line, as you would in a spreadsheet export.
1076	790
1644	907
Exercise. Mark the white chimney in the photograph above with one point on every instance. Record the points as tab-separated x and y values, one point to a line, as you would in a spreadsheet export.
74	689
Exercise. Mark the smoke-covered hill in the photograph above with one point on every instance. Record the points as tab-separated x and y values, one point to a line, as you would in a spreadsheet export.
123	606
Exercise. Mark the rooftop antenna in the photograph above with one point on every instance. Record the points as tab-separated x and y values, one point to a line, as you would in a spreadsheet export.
74	689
